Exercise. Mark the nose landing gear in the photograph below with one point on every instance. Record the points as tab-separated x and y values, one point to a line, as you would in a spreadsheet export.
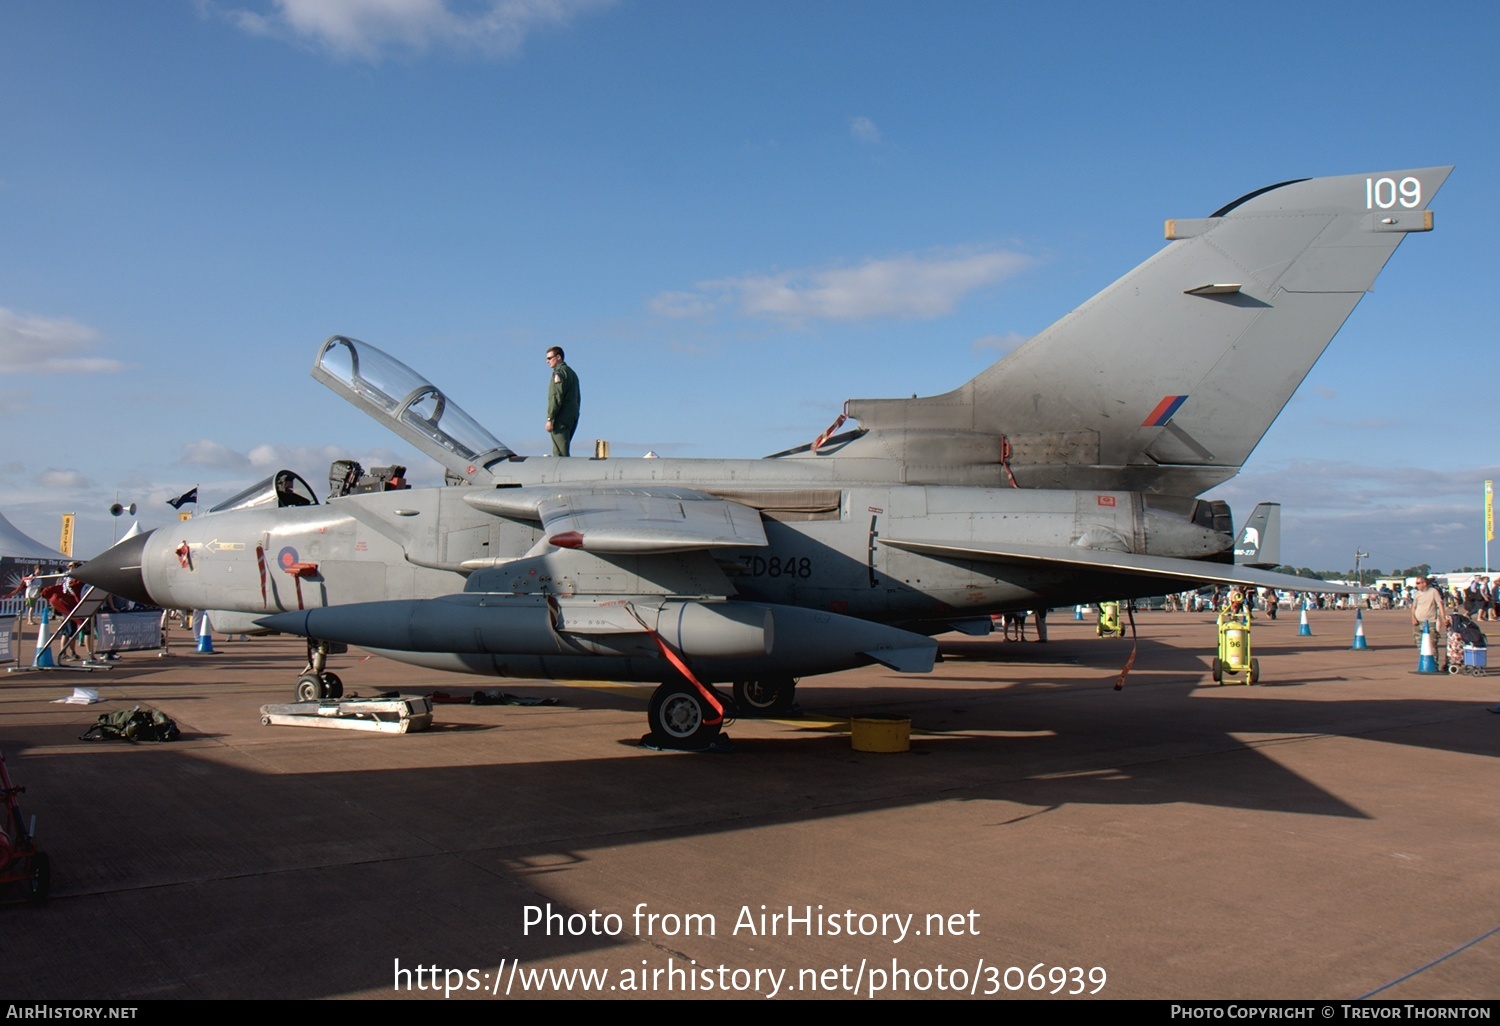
316	682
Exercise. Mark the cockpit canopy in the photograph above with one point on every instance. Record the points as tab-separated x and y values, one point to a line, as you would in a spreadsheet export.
410	405
281	489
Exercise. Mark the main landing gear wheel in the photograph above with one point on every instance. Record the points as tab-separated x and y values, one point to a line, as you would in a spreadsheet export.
677	713
769	696
313	687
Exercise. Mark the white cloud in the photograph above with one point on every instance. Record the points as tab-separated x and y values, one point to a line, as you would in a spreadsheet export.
49	345
1000	344
906	287
310	460
54	477
681	304
368	29
15	402
864	130
1400	515
208	453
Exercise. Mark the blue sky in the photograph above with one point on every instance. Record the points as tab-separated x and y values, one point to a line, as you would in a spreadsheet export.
733	216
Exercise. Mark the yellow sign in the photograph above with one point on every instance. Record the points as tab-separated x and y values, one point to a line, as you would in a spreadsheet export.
184	516
1489	511
65	544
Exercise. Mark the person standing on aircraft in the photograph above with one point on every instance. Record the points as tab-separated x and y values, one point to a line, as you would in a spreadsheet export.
562	402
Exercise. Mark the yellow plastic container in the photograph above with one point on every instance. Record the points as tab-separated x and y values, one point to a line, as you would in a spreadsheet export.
880	733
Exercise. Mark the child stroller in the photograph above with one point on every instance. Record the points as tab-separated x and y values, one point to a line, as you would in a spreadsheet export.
1468	649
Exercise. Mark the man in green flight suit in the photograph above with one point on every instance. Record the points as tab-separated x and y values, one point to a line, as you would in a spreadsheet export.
562	402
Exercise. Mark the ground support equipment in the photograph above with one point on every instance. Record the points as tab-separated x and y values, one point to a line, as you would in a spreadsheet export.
1234	658
402	715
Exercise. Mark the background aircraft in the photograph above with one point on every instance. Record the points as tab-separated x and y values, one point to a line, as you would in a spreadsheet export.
1066	472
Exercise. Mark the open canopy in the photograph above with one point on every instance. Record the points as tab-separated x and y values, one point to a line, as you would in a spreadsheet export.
410	405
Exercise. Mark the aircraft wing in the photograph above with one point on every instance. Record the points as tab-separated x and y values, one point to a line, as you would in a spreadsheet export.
628	520
1172	571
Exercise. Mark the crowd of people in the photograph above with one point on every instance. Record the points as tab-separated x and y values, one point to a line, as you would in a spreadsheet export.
59	593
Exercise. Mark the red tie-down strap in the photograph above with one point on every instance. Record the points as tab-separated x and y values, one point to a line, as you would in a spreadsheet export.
708	693
299	571
826	435
682	668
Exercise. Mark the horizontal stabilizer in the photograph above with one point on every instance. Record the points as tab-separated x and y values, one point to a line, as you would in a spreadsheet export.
1176	572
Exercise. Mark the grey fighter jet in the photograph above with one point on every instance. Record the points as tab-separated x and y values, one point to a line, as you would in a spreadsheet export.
1067	472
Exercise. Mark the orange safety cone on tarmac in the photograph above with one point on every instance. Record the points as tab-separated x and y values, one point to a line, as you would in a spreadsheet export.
205	639
1359	630
1303	629
43	659
1427	662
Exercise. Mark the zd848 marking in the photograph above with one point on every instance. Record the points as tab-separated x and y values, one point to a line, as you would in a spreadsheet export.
776	566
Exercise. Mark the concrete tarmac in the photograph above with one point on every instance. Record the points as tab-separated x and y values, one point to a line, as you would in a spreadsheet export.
1330	833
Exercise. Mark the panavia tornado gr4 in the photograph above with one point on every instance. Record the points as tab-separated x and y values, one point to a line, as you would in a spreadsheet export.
1067	472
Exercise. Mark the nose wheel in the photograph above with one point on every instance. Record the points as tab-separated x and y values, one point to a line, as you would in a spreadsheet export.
314	687
316	682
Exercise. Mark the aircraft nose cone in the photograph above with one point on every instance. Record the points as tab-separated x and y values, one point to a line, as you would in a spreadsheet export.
118	570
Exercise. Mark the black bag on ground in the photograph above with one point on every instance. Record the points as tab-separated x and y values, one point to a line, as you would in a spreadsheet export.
133	725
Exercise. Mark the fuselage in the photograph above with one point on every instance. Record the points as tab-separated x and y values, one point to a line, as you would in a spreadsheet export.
827	547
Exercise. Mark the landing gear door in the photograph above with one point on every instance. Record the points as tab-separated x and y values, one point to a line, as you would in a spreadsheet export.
411	406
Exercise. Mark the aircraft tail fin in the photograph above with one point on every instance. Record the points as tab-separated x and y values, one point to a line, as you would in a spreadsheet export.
1167	380
1259	541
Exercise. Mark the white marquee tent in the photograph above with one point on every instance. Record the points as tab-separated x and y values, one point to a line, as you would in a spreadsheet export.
18	545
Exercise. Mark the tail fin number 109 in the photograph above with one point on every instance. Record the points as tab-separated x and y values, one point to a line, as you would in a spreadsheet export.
1385	193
